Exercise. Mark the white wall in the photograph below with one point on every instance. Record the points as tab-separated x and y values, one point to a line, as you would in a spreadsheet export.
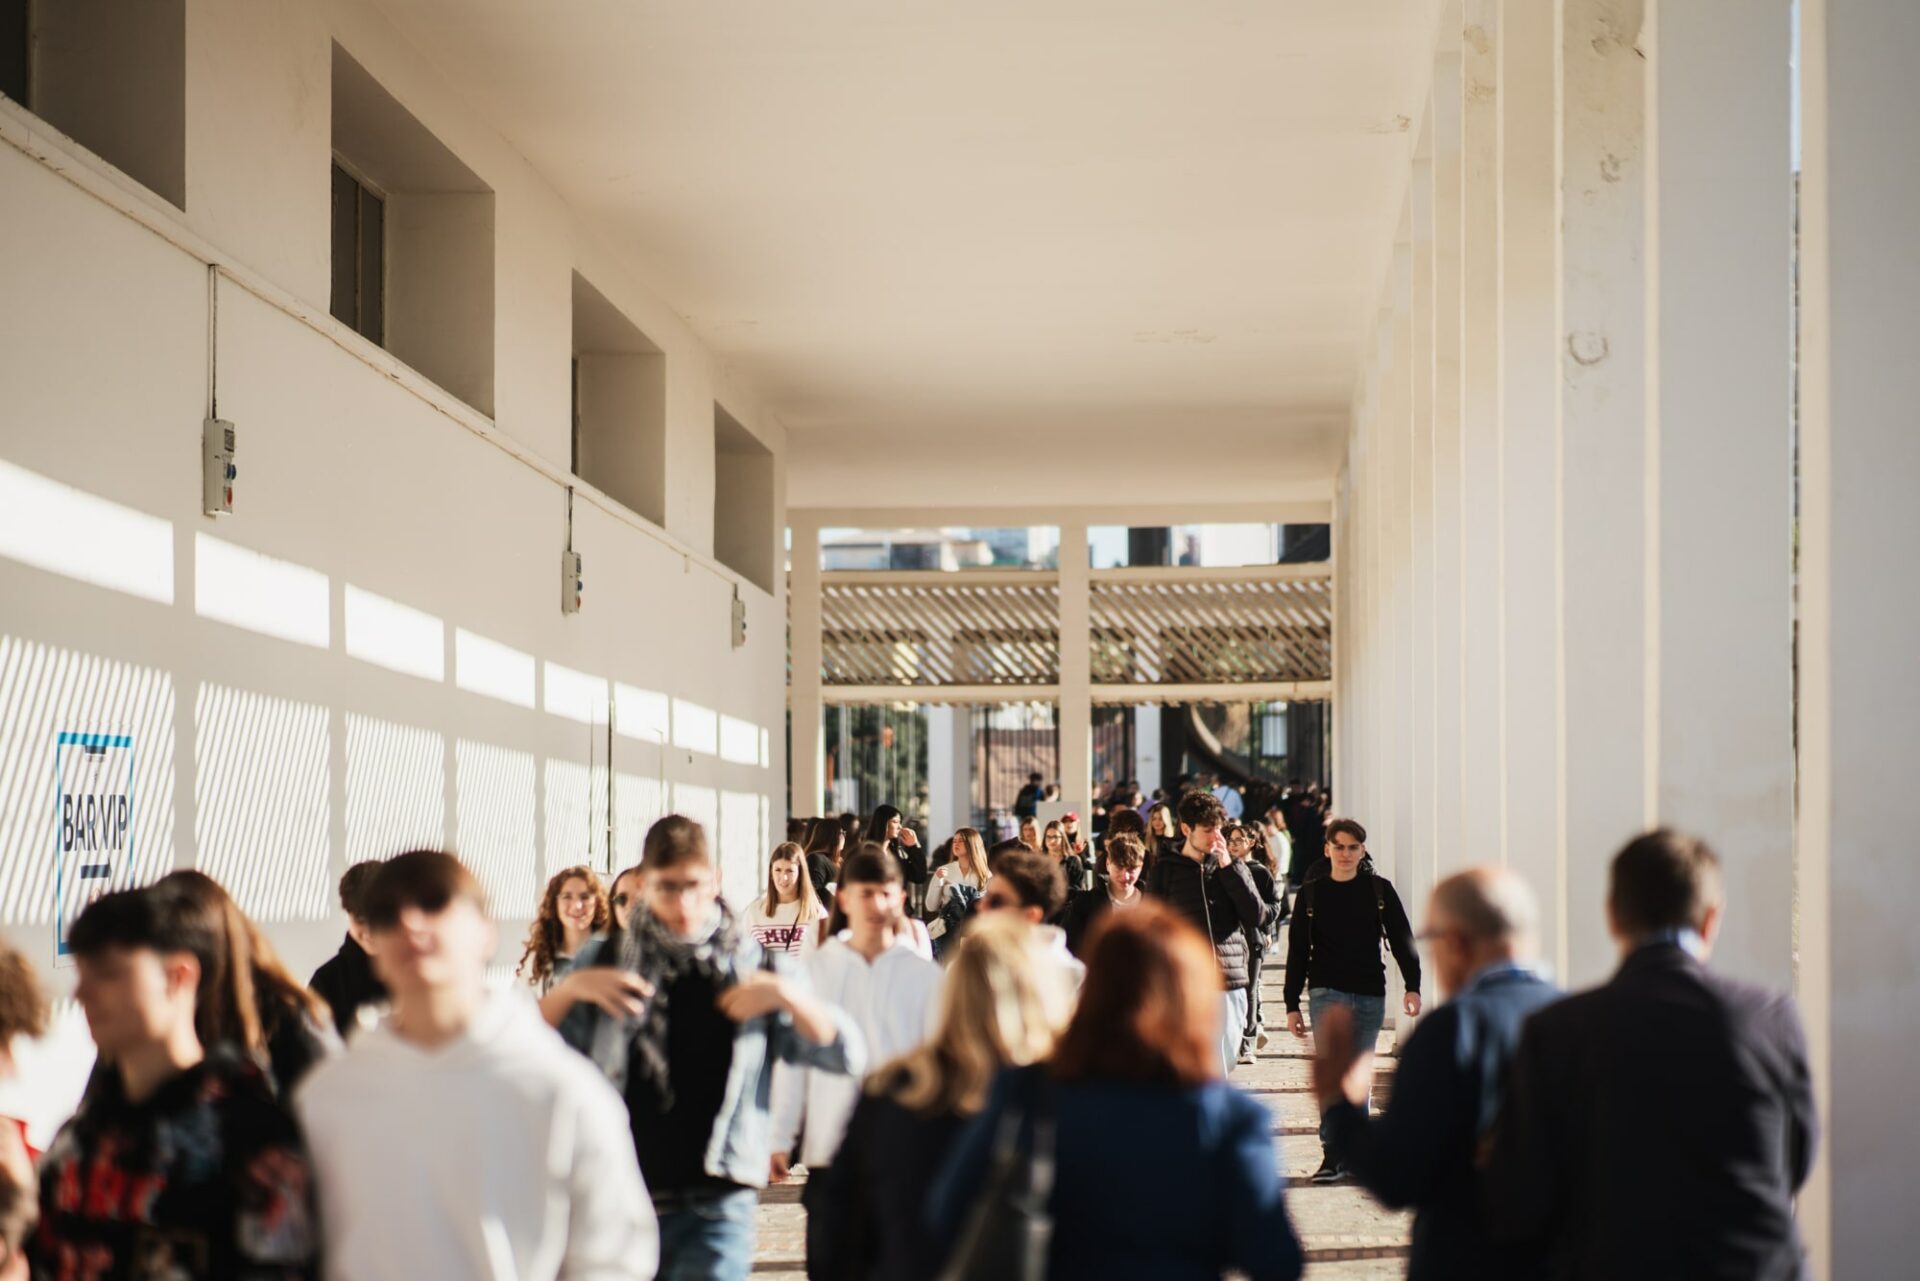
269	748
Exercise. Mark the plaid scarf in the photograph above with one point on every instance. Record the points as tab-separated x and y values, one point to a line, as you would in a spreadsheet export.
661	957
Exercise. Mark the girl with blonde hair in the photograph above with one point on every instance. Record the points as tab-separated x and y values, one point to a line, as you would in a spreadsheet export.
1000	1007
787	917
968	867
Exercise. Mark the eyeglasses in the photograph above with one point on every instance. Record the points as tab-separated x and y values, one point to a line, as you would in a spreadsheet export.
994	902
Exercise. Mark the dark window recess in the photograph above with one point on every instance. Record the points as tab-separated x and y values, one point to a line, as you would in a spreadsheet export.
359	257
13	49
575	468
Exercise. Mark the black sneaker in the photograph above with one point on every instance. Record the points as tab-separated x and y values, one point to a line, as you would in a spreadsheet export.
1329	1173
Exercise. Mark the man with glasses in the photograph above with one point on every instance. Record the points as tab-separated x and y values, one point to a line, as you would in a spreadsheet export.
1480	936
1340	920
1030	885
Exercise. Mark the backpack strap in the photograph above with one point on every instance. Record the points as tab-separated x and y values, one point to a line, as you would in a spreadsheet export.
1380	906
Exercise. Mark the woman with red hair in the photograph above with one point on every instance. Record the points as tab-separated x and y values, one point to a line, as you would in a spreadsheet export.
1135	1097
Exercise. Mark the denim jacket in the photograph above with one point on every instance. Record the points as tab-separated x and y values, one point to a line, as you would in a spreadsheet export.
738	1148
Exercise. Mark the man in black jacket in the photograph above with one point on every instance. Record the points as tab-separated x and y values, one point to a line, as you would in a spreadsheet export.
1422	1153
1659	1126
1207	887
346	981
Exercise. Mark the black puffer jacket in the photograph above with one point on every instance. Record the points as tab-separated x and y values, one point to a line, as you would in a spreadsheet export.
1220	900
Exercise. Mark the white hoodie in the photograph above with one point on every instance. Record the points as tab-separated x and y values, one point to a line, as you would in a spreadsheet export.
499	1156
893	1000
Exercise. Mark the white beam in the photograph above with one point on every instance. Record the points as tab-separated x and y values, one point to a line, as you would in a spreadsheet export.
807	744
1075	708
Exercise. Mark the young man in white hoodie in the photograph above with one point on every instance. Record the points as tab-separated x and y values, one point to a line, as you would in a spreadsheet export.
875	973
1031	886
461	1138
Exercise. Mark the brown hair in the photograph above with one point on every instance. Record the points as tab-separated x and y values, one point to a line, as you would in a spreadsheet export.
1202	809
871	864
353	888
1124	850
1126	822
1346	827
1150	1009
265	996
672	842
23	1002
805	903
1664	880
1035	877
546	933
427	879
974	860
1066	842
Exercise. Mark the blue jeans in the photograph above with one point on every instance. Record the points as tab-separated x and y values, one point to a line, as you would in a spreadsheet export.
1369	1012
709	1237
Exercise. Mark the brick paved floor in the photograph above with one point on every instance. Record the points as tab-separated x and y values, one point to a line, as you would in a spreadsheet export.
1348	1237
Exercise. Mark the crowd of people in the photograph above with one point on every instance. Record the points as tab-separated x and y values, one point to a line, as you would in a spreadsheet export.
1007	1060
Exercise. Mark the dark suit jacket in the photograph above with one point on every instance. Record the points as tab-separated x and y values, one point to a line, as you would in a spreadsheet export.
346	981
1446	1095
1658	1127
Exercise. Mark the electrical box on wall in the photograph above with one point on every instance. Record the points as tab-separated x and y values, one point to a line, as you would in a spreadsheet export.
739	620
572	586
217	470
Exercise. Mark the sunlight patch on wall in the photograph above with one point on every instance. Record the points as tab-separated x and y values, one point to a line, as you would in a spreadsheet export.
638	803
496	833
260	801
702	804
742	860
641	713
739	741
237	585
396	788
78	535
483	666
695	728
576	695
45	690
395	636
576	815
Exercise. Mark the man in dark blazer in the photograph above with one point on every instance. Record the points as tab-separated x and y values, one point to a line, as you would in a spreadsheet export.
1659	1126
1446	1093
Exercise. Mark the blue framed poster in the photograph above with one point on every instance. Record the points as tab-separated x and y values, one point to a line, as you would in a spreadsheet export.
93	823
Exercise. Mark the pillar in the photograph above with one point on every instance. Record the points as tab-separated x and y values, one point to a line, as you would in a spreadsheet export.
1450	775
1076	669
1421	857
1529	455
806	746
1720	275
949	769
1483	688
1859	715
1603	390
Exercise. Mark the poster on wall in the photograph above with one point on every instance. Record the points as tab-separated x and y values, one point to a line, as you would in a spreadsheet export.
93	816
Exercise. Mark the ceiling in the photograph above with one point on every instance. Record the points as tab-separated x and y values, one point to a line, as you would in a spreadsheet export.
906	216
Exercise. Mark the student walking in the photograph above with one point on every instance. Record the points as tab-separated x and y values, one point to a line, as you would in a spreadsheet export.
1201	882
1118	890
572	910
875	975
23	1013
1660	1125
687	1026
1425	1152
346	981
1134	1098
1028	885
181	1162
1057	845
460	1137
1246	847
889	829
1340	920
787	917
997	1010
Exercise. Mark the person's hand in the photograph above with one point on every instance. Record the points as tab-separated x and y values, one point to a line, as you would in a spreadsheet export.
778	1167
908	839
1297	1024
940	873
1340	1069
620	993
750	998
1412	1005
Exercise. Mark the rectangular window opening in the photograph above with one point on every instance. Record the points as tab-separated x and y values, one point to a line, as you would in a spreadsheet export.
619	405
744	533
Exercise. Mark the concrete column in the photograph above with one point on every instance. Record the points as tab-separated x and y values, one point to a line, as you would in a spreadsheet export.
1396	456
1420	847
1603	393
1721	333
807	746
1529	323
1146	747
1450	777
1483	729
1076	670
949	770
1859	713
